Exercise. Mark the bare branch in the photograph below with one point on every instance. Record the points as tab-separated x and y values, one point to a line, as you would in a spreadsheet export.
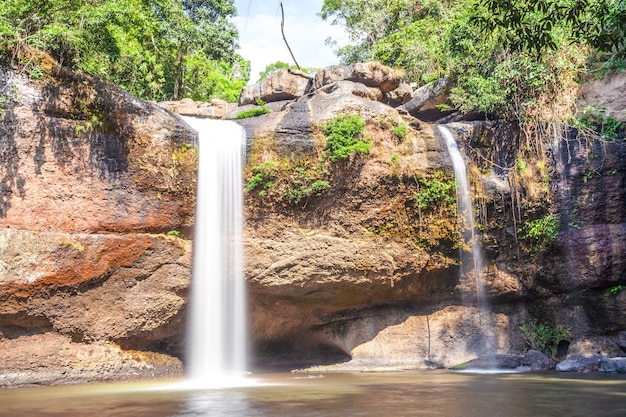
282	29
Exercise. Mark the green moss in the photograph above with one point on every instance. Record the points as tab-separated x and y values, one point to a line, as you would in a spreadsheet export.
289	182
435	190
296	193
263	176
400	130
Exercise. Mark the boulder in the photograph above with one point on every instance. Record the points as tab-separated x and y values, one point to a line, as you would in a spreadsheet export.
537	361
215	109
613	365
578	363
282	85
491	362
425	100
371	74
399	96
292	124
346	97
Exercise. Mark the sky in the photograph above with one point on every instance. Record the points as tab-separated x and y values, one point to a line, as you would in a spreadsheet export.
261	40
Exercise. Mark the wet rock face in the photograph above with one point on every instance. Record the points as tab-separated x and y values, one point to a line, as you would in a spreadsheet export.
585	267
130	290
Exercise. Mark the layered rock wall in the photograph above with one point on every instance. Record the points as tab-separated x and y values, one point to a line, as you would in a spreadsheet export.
90	179
363	273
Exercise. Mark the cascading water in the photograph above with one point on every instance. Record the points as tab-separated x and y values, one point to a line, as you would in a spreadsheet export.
217	347
466	214
464	205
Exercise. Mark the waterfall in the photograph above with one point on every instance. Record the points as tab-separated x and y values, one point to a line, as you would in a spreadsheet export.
216	344
465	209
466	214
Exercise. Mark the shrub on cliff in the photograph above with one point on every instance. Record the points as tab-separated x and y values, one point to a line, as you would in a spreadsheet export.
345	136
254	112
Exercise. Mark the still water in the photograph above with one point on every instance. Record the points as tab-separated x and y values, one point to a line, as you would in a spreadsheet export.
364	394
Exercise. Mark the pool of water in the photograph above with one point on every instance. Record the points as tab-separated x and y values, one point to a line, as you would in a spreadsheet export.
360	394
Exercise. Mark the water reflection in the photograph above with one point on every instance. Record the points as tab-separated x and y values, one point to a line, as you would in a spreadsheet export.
218	403
392	394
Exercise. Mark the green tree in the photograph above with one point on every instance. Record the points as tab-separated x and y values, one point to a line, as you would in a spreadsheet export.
155	49
366	22
279	65
436	38
537	25
273	68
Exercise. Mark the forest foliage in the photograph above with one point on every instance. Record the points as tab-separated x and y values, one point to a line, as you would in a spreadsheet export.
154	49
508	57
514	58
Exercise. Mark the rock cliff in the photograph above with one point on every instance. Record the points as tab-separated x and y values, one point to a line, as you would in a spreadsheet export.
365	272
362	271
91	178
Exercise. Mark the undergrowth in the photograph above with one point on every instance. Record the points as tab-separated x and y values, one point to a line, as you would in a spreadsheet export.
540	233
254	112
345	136
596	120
435	191
543	338
295	180
289	181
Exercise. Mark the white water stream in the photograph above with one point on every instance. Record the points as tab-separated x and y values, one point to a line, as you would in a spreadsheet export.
217	346
464	204
465	212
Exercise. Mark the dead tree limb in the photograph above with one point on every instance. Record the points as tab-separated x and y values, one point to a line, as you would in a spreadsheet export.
282	29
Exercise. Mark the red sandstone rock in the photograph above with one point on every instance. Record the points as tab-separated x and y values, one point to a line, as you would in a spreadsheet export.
80	155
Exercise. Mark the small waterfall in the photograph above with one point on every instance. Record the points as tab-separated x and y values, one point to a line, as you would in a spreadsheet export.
465	212
217	347
465	209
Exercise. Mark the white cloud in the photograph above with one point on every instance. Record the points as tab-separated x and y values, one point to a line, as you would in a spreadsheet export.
261	40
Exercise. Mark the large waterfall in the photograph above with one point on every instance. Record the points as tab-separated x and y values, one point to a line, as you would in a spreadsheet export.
217	347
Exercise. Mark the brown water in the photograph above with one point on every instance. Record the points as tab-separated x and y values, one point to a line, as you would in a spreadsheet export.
365	394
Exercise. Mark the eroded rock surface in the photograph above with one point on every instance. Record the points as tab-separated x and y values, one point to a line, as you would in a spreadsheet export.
53	359
89	175
283	85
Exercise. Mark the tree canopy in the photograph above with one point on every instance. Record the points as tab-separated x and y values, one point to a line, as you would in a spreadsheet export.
155	49
510	57
536	25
